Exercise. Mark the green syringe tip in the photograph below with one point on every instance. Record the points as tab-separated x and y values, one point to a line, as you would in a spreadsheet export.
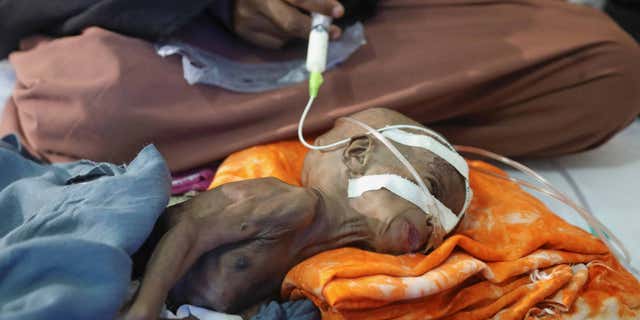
315	81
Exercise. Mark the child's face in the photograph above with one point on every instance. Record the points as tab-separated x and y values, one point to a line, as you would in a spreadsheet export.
398	225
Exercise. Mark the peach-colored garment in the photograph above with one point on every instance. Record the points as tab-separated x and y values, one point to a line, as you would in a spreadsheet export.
510	258
522	78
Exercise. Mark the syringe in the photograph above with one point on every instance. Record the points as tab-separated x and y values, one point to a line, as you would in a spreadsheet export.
316	64
317	51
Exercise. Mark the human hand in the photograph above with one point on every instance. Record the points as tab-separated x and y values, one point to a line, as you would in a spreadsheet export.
273	23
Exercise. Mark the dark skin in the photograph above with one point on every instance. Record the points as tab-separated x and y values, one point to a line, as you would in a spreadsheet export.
273	23
230	248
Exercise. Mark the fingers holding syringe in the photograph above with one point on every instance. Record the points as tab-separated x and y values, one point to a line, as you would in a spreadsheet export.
273	23
298	24
331	8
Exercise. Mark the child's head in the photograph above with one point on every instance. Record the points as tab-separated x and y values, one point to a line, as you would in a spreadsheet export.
401	226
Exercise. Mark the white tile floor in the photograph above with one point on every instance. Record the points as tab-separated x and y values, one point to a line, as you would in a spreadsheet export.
605	180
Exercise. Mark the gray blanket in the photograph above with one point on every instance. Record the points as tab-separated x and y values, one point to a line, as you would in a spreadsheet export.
67	232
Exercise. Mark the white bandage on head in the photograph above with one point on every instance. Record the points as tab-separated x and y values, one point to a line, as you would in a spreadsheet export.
409	190
404	189
445	153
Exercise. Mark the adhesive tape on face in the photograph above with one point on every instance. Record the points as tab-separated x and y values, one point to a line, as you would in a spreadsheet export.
407	190
430	144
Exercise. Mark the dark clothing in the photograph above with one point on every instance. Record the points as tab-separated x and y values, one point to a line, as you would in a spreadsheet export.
147	19
292	310
627	14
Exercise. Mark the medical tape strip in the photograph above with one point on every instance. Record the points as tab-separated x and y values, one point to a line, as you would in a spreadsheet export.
439	138
435	146
431	144
405	189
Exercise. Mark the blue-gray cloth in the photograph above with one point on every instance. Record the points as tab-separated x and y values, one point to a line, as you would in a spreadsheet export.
291	310
68	231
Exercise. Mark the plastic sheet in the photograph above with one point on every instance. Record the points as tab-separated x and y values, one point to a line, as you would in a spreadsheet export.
205	67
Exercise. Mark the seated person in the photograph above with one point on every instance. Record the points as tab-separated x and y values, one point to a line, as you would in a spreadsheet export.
231	247
552	76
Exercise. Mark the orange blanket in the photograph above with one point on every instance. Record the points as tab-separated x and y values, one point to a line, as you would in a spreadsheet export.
510	258
282	160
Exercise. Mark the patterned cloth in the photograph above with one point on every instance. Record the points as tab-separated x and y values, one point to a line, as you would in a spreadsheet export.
282	160
510	258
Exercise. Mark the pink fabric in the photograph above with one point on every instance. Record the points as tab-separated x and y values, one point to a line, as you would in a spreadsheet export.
194	181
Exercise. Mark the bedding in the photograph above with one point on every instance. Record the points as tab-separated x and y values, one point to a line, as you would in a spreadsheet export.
68	230
604	180
510	258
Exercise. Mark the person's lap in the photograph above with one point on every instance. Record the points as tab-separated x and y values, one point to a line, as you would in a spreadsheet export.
517	77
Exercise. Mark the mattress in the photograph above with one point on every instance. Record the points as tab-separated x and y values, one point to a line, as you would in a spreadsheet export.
605	180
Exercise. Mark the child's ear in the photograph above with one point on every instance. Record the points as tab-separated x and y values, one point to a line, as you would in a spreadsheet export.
356	154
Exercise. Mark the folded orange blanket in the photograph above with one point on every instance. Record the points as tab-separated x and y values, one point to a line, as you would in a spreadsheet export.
510	258
282	160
